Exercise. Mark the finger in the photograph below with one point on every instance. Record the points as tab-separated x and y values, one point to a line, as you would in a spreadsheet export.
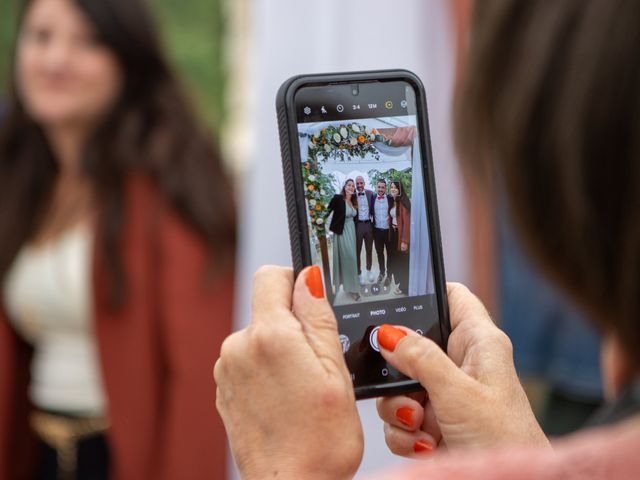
430	423
416	444
465	306
316	316
421	359
272	287
401	411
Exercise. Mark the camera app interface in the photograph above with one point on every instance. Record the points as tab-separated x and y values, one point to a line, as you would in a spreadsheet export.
362	175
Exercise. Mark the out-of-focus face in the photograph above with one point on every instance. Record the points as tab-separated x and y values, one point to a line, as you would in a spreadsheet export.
64	74
349	188
393	190
360	184
382	189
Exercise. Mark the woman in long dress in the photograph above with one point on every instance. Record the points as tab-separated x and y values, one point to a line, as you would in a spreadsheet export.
345	268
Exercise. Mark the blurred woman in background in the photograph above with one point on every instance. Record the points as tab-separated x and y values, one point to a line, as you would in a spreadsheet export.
116	255
399	236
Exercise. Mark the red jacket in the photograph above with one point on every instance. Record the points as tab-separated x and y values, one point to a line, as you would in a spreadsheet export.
157	355
403	220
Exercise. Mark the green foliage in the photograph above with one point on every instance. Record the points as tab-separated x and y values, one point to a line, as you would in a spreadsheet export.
193	33
404	176
335	141
318	192
8	14
343	142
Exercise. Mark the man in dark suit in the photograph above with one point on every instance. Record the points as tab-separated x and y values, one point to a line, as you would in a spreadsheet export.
364	229
380	213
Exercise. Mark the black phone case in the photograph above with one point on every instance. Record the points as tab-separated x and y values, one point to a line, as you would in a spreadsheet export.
296	210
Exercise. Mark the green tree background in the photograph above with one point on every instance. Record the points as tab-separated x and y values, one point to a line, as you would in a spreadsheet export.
193	33
405	176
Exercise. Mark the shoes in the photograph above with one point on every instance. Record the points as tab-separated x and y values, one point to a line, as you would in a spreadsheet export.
370	276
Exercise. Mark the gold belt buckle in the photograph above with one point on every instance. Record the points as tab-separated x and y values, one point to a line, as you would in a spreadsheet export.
63	434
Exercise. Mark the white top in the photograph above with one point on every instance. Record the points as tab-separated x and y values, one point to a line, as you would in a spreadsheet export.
394	220
381	212
47	293
363	206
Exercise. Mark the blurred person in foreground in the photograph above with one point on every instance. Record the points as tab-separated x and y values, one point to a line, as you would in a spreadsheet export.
116	255
549	110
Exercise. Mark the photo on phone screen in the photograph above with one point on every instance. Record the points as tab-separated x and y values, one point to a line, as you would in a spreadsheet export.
363	216
363	177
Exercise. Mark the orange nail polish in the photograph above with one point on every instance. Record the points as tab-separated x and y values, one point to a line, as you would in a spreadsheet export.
405	415
314	281
389	336
422	446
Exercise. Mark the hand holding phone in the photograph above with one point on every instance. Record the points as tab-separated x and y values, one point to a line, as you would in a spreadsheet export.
361	205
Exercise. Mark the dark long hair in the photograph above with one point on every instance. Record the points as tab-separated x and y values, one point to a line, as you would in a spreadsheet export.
549	109
402	197
150	129
343	192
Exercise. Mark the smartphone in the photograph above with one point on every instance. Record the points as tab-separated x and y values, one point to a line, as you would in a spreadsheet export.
361	204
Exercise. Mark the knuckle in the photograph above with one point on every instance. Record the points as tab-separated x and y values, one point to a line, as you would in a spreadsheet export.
263	343
332	397
230	345
268	273
503	340
261	339
455	287
262	272
417	352
217	371
383	406
393	441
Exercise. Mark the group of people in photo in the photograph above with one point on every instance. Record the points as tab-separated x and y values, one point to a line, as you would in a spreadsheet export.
379	219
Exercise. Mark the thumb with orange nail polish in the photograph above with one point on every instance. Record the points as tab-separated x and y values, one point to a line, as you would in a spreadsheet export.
389	336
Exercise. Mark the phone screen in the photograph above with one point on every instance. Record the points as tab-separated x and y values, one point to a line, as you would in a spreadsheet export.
364	184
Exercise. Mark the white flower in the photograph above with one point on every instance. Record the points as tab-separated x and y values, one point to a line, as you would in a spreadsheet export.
355	128
312	203
372	137
313	146
353	142
336	137
344	132
322	193
319	221
367	130
327	148
312	178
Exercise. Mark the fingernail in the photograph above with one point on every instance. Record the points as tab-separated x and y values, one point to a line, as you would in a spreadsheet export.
389	336
314	281
405	415
422	446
